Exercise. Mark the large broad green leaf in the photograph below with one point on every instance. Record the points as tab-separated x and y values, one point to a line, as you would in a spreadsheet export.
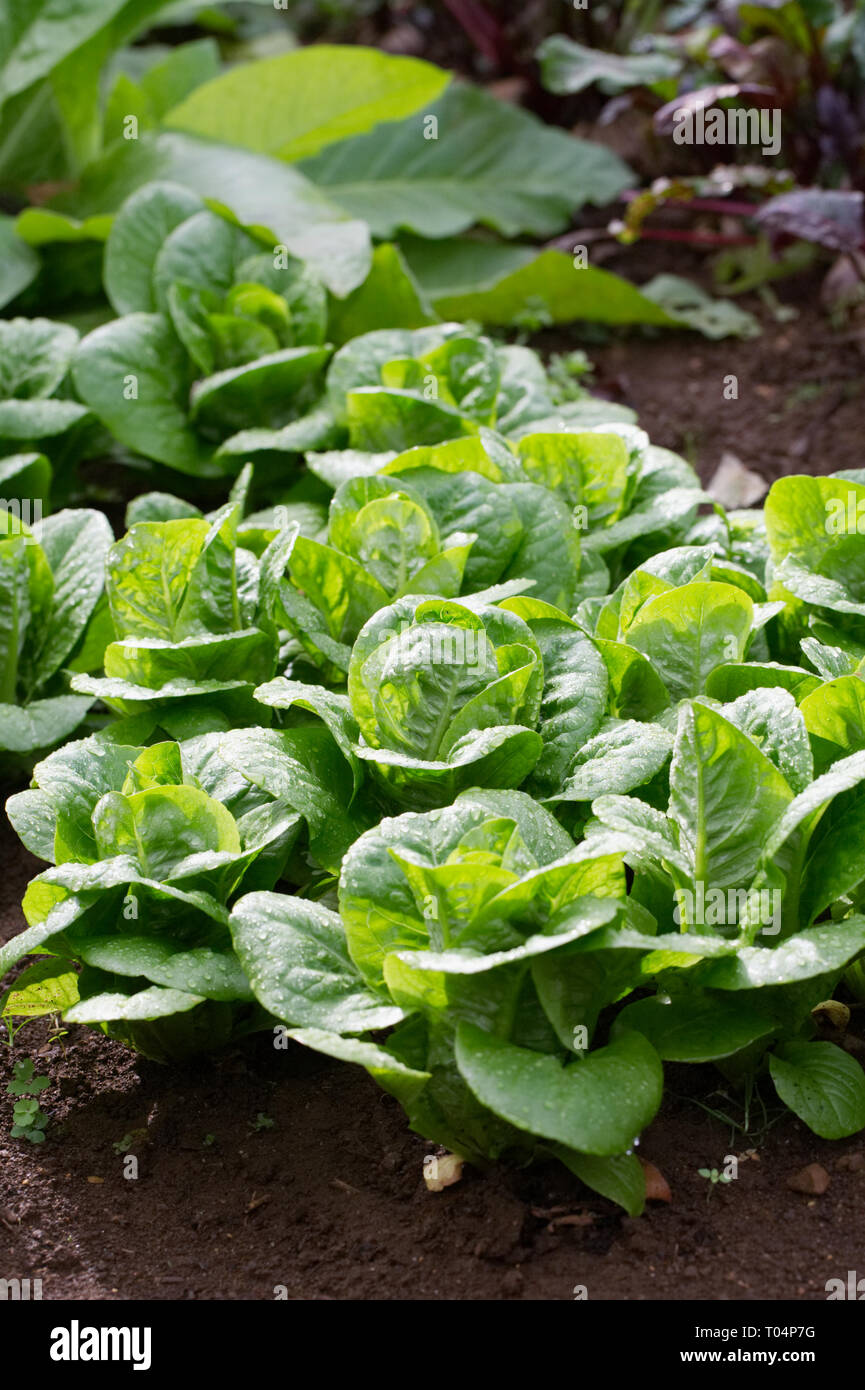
380	420
76	544
35	355
270	389
466	279
583	915
464	502
59	898
725	797
598	1104
636	690
49	987
390	297
19	264
203	970
651	833
621	756
818	549
821	1084
302	768
75	83
260	191
71	782
134	374
696	1027
397	1078
36	34
331	706
836	861
549	551
377	902
136	237
730	681
770	717
816	951
835	712
296	957
162	826
809	805
552	288
567	67
500	756
25	478
173	579
463	159
687	632
41	724
575	688
163	86
294	105
152	1003
619	1177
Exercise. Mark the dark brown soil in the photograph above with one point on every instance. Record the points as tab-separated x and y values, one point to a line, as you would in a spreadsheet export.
801	386
263	1168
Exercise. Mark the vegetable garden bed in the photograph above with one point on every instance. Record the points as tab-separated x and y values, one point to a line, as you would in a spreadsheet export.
435	784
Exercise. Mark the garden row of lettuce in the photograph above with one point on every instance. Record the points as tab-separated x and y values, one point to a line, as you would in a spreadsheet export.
488	724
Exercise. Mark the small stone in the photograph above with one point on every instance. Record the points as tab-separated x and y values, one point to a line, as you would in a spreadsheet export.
851	1163
734	485
442	1170
812	1179
657	1187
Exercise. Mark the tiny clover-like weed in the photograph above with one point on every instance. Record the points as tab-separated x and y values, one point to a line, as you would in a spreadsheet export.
261	1121
713	1177
208	1141
28	1121
24	1081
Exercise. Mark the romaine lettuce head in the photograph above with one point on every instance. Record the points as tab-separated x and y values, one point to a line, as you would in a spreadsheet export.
460	922
51	618
150	846
219	330
191	634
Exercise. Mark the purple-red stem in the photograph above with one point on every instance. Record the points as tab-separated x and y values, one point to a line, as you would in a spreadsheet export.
695	238
483	30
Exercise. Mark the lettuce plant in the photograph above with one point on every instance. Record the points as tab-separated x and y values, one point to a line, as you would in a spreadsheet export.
150	845
740	872
444	695
36	411
51	582
455	926
189	635
217	328
816	534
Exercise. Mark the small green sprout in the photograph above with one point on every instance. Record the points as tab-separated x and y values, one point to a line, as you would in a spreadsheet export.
28	1121
713	1176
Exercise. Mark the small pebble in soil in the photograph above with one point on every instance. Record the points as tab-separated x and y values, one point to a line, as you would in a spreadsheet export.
813	1179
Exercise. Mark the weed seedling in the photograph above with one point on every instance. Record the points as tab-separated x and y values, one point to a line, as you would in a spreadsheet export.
28	1121
713	1178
